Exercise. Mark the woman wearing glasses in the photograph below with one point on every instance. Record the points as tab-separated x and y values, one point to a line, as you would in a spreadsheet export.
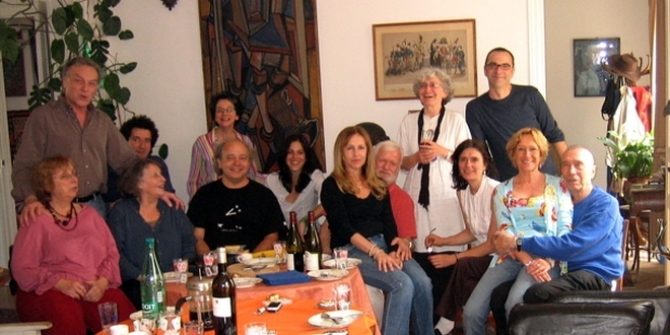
225	111
428	138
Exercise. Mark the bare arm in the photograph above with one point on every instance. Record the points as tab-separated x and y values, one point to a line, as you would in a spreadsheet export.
560	147
408	162
201	246
267	243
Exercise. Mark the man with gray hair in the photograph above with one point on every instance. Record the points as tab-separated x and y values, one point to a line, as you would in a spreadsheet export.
73	127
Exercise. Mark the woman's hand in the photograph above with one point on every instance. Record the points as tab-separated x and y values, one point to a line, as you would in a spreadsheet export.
433	240
98	288
404	252
388	262
71	288
442	260
539	270
429	150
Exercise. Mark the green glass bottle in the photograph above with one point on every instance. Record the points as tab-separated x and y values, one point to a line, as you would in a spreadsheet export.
152	284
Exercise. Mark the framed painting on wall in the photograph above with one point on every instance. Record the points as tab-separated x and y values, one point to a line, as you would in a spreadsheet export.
590	79
402	49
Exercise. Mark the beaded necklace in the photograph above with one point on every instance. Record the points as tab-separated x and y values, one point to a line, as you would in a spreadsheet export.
64	223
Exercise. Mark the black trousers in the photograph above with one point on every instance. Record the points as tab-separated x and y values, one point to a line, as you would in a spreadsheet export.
580	280
438	277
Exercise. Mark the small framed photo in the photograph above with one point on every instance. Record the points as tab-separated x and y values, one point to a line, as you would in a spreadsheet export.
590	79
402	49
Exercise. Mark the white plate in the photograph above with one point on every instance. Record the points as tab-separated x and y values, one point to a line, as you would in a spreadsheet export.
267	261
138	315
351	263
327	275
245	282
235	249
348	317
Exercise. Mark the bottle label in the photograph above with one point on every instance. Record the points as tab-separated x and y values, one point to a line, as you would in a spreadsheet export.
311	261
159	296
290	263
222	307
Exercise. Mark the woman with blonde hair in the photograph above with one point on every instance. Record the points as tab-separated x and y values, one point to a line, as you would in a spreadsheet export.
360	219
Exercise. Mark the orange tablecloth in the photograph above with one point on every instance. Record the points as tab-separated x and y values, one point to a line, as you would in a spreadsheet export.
316	290
290	320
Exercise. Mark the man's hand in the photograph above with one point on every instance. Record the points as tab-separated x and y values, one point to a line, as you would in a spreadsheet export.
98	288
503	242
32	208
173	200
442	260
404	252
71	288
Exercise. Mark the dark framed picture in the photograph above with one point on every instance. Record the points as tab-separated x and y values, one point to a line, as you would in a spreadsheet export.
589	54
402	49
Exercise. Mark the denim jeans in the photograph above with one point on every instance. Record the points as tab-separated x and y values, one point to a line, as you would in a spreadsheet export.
408	292
477	308
99	205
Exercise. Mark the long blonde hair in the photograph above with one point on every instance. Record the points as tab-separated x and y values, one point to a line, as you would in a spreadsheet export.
377	185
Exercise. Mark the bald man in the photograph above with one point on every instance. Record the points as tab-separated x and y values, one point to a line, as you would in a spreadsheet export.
592	249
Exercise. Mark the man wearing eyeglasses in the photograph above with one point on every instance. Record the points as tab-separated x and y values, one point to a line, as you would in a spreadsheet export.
496	115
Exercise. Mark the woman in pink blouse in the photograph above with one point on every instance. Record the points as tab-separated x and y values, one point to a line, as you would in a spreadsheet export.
65	261
225	111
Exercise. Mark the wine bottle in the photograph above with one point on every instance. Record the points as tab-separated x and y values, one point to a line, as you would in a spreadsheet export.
152	284
294	248
312	245
223	298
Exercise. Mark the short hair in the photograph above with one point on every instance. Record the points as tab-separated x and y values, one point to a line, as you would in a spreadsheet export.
218	153
459	182
498	49
140	122
377	185
581	147
441	75
225	96
375	131
41	177
129	181
311	163
81	61
538	137
388	145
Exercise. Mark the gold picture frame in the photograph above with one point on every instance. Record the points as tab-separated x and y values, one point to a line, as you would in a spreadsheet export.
401	49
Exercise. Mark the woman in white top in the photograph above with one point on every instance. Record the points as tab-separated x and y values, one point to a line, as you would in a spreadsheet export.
428	138
471	175
297	184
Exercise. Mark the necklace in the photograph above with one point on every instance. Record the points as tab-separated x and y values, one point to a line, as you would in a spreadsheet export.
64	223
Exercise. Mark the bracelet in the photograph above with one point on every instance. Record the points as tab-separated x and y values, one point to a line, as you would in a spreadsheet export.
372	248
529	263
410	244
375	255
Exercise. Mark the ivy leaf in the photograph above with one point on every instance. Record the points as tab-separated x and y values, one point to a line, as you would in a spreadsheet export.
9	45
111	3
128	68
55	84
38	97
99	51
112	26
124	96
107	106
111	85
77	10
85	30
163	151
59	20
103	13
72	42
58	50
126	35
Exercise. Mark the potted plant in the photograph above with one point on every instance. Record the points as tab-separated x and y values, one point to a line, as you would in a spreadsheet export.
633	160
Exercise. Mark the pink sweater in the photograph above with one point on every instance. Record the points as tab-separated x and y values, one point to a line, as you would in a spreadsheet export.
44	253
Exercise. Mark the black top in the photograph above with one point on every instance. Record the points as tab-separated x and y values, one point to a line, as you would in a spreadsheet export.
348	214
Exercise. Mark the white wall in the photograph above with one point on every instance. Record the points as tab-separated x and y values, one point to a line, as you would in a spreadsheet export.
168	84
565	20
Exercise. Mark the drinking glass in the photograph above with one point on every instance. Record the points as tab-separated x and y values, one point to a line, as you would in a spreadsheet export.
192	328
341	255
109	315
256	328
280	251
427	135
342	293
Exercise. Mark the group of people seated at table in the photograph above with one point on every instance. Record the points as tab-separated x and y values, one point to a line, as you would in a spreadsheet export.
444	242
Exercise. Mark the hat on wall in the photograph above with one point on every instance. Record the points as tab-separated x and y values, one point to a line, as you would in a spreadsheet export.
375	131
625	65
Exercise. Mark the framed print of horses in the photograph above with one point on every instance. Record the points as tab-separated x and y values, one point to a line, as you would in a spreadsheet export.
401	49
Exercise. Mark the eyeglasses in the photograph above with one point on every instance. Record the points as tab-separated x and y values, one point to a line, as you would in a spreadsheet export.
226	110
495	66
431	85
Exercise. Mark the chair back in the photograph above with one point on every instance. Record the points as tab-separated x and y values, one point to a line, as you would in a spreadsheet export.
617	285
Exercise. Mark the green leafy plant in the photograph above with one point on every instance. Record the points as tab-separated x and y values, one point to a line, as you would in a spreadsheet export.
633	159
72	36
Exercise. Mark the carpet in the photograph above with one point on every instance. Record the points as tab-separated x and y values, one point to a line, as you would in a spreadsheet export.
8	316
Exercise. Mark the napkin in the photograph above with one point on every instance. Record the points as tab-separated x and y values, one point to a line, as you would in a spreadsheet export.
284	278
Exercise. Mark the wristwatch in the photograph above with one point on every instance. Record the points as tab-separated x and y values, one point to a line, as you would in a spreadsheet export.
519	242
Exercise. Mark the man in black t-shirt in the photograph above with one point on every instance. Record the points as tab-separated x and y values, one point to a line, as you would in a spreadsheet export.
235	210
